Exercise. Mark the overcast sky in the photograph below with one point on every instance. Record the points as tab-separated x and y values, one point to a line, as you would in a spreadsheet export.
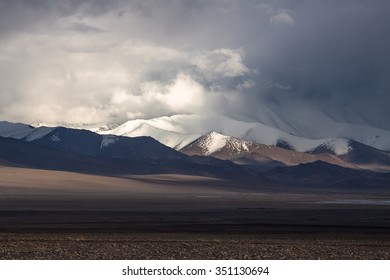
110	61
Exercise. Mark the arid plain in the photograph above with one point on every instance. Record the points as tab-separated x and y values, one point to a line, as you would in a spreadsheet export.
63	215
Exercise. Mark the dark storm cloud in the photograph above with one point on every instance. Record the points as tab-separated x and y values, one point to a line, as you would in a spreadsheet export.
335	56
127	59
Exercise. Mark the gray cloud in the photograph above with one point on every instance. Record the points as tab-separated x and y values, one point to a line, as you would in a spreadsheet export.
98	61
335	57
84	28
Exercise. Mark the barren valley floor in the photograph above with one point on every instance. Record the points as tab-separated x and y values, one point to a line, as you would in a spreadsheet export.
63	215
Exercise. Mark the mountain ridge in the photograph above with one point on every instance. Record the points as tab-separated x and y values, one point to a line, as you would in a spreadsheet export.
85	151
88	152
241	151
192	126
347	153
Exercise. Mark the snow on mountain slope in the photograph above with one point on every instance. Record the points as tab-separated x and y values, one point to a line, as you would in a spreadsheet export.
319	122
98	127
331	134
245	152
179	130
169	138
160	129
215	141
271	136
163	123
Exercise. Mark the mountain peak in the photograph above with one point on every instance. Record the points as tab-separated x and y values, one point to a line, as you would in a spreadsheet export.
214	141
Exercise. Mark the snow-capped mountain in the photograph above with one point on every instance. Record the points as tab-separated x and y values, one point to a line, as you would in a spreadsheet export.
248	152
167	137
214	142
208	155
179	130
96	127
85	151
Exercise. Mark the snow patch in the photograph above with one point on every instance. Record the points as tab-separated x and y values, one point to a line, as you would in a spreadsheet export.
108	140
55	137
213	143
336	145
339	146
238	145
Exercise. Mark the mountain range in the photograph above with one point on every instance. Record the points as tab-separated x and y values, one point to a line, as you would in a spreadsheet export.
80	150
179	144
221	137
178	131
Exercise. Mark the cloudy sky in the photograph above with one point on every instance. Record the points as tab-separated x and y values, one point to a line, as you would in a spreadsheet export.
109	61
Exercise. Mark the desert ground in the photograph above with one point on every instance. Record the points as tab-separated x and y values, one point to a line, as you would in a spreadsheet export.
63	215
